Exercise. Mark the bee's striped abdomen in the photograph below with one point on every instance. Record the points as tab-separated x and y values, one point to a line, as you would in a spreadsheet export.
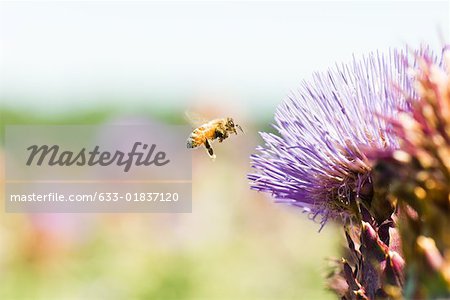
196	138
200	135
190	142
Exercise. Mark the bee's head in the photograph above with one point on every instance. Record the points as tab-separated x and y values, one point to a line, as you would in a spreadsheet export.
231	126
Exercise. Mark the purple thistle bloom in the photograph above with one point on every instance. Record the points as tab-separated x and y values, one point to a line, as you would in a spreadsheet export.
318	160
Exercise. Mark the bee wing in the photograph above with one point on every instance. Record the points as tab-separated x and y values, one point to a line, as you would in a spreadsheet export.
195	119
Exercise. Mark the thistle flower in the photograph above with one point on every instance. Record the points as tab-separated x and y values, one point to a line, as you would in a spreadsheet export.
318	160
354	146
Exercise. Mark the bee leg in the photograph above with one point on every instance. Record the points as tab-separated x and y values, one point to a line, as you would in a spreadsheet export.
221	135
225	135
210	149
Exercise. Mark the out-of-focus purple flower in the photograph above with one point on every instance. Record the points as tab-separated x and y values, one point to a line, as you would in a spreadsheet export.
318	160
418	174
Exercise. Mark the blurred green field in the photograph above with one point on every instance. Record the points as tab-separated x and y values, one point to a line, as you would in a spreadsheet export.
236	244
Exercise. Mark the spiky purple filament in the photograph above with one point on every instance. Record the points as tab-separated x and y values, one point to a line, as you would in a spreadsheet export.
317	161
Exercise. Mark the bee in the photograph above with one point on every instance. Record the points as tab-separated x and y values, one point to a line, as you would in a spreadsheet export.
205	134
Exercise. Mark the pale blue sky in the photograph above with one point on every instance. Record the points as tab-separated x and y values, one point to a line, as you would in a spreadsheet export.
65	54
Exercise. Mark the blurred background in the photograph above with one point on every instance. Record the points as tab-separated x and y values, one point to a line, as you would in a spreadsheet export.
103	62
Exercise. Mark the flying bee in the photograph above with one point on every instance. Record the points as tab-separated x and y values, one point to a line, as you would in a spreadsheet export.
205	134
